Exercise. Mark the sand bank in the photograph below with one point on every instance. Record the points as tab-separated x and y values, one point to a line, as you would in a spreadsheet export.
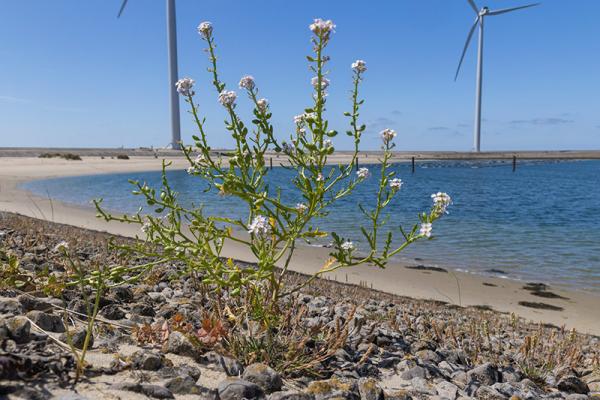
575	310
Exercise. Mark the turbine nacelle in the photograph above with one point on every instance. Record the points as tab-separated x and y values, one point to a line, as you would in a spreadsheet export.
484	11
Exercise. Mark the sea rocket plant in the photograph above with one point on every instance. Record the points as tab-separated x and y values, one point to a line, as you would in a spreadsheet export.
271	228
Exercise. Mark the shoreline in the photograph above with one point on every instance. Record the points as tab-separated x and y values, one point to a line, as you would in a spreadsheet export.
580	310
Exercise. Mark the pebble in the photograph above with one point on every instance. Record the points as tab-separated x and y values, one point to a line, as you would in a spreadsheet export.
264	376
238	389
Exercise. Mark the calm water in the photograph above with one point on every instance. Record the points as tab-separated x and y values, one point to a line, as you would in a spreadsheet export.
541	223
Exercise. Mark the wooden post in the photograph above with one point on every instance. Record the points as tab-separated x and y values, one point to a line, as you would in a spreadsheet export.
514	163
413	165
271	163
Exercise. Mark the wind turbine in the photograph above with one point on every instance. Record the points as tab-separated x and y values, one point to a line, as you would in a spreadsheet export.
173	74
479	21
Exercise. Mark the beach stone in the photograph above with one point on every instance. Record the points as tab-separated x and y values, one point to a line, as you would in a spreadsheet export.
10	306
29	303
576	396
230	366
172	372
18	329
146	360
414	372
486	374
332	388
112	312
421	385
77	338
489	393
290	395
429	356
179	344
48	322
369	389
154	391
446	390
121	293
183	384
78	306
264	376
572	384
145	310
238	389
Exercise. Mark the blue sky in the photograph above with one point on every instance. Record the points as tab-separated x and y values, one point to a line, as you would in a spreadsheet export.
73	75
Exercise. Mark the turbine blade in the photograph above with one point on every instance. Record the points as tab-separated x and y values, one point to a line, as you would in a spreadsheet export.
122	8
474	6
469	37
506	10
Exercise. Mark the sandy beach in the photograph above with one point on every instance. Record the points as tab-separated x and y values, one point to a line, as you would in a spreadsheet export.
579	310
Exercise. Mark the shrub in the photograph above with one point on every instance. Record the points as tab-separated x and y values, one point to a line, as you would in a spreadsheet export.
174	233
122	157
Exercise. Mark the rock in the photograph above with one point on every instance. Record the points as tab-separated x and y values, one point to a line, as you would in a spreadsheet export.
572	384
369	389
121	293
112	312
290	395
48	322
146	360
238	389
155	391
145	310
421	385
216	361
429	356
576	396
79	306
179	344
330	388
413	373
488	393
486	374
172	372
9	306
264	376
183	384
446	390
29	303
18	329
397	395
77	338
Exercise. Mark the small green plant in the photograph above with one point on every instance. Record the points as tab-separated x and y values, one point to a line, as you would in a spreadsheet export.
66	156
122	157
274	227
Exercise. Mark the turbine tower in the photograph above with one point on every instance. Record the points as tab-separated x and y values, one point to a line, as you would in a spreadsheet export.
173	74
479	22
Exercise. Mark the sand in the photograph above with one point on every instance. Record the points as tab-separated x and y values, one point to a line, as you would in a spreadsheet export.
580	310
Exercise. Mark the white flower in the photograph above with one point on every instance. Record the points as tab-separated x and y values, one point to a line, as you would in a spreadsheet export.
259	226
205	29
227	98
199	159
62	246
441	201
425	229
288	148
363	173
247	82
387	135
359	66
301	208
322	27
315	82
262	105
348	246
146	227
327	143
184	86
320	177
396	184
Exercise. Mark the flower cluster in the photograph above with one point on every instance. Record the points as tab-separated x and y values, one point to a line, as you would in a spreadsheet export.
322	28
396	184
259	226
359	66
348	246
441	201
387	135
205	29
301	208
363	173
62	246
425	229
315	82
227	98
247	82
184	86
262	105
146	227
